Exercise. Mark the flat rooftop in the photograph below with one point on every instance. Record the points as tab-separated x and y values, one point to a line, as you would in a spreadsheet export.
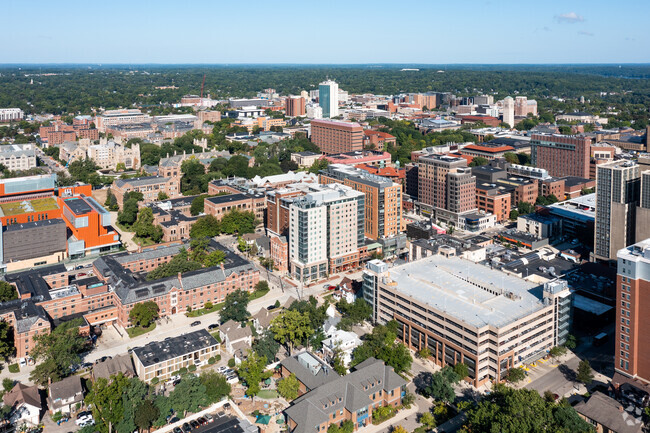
78	205
28	206
470	292
173	347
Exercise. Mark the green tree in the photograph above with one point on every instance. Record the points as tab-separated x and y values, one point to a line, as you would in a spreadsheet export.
585	374
144	314
146	414
440	387
428	420
216	385
162	196
338	364
478	161
509	410
288	387
205	227
461	370
235	307
57	351
189	395
7	347
267	346
144	226
120	166
571	342
353	313
193	180
514	214
515	375
557	351
291	327
318	165
111	201
524	208
424	353
251	371
511	157
105	396
198	205
262	285
7	292
382	344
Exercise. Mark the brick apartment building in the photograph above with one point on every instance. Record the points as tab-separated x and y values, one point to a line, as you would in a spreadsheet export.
334	137
375	158
222	204
561	155
294	106
149	186
377	140
494	200
49	295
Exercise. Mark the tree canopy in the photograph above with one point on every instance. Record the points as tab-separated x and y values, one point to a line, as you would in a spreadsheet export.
382	344
235	307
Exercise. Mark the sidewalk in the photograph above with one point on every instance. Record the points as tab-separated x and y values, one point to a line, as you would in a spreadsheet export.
386	426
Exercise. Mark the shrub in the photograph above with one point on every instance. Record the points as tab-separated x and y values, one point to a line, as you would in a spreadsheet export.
192	368
182	371
155	381
208	305
13	368
231	362
212	361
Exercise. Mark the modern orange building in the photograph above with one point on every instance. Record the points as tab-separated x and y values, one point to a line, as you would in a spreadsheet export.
333	136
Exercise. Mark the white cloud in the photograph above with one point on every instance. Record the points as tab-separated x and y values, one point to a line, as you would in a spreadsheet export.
570	18
585	33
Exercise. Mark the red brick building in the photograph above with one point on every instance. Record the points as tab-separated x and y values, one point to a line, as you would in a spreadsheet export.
333	136
294	106
488	120
377	140
561	155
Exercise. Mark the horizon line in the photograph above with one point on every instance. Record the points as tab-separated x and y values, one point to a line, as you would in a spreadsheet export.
5	64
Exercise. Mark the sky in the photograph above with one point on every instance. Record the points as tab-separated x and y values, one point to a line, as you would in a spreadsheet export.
325	32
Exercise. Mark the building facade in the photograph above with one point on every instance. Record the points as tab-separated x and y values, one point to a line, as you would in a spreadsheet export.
328	98
561	155
294	106
334	137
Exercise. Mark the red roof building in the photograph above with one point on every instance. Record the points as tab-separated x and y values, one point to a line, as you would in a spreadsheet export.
488	152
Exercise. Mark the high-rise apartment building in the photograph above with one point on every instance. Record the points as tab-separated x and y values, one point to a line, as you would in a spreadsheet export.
617	196
484	100
333	136
446	183
383	203
509	111
561	155
632	353
325	231
328	98
643	210
294	106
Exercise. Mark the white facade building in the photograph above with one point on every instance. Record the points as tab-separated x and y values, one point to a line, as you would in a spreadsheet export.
314	111
11	115
509	111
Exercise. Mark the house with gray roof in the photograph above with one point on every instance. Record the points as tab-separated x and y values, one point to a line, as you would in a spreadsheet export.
64	395
351	397
608	415
232	333
110	367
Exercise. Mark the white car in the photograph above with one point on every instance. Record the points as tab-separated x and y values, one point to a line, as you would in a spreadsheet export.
232	379
87	423
22	362
222	369
84	419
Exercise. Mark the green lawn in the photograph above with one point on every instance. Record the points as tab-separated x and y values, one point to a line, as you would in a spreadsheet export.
258	294
267	394
135	331
204	311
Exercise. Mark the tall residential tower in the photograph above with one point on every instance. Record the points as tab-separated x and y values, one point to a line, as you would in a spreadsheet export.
328	98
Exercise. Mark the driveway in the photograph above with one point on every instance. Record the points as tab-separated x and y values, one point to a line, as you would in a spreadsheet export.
125	237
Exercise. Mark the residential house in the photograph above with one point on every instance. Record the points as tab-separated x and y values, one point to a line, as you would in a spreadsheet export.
347	289
310	371
119	364
64	395
608	415
262	319
233	334
25	402
352	397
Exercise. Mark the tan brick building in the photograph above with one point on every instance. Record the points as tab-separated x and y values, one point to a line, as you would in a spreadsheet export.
333	137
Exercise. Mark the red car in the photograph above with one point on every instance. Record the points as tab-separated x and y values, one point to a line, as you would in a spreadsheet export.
331	288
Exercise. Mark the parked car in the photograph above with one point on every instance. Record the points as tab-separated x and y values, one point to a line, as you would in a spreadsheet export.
196	323
187	428
202	420
178	430
83	418
271	307
222	369
176	382
22	362
232	379
87	423
209	417
173	420
86	365
195	424
213	326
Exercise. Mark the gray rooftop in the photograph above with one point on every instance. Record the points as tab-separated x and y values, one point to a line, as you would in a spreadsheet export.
141	181
470	292
173	347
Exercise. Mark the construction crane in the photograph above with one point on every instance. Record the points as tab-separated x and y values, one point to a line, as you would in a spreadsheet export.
202	85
